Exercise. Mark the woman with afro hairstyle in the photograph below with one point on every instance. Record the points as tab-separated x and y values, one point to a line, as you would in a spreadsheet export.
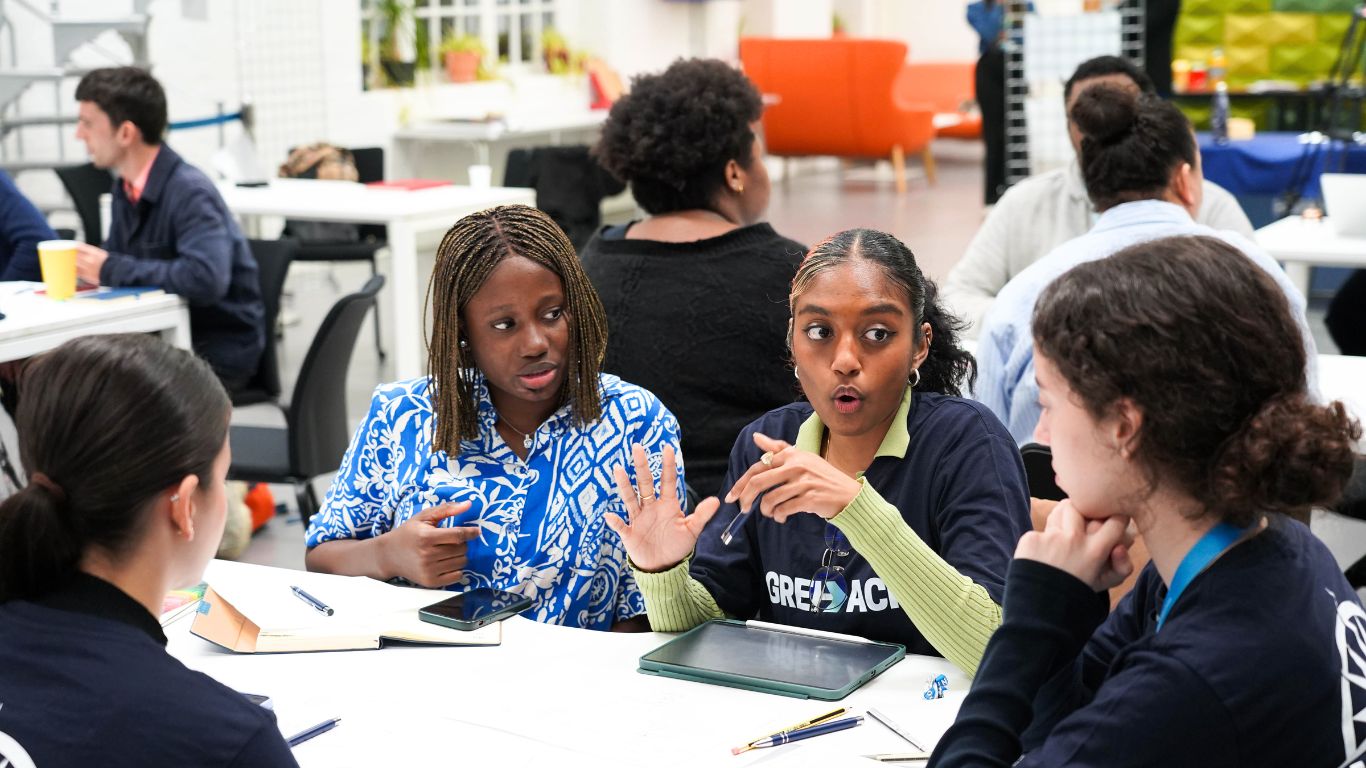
695	293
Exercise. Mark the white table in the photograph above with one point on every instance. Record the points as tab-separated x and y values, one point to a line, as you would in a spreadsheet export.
35	324
1303	243
408	215
555	696
417	149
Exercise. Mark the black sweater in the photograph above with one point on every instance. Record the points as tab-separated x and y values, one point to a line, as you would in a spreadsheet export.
1258	664
702	325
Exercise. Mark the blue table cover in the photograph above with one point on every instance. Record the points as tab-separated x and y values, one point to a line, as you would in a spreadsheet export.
1265	164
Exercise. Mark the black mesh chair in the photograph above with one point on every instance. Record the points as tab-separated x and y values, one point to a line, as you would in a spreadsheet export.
272	262
369	237
316	433
85	184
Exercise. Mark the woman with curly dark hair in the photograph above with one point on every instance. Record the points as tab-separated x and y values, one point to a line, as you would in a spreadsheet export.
694	293
1174	396
888	504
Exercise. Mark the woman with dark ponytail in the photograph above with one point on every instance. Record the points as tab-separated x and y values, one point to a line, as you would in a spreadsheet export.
887	505
125	441
1173	393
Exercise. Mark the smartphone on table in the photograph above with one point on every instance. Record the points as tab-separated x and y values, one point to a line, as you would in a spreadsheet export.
475	608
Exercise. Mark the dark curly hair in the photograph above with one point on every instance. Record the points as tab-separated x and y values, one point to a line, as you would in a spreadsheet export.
671	137
1130	144
946	365
1203	342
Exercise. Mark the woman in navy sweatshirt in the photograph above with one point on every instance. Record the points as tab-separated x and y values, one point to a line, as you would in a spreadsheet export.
1173	390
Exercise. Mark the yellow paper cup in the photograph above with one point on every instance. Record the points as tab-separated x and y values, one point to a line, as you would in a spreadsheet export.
57	259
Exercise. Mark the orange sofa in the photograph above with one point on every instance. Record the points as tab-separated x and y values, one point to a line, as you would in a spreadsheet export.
948	88
836	97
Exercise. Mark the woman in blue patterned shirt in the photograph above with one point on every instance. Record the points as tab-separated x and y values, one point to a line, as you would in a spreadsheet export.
495	470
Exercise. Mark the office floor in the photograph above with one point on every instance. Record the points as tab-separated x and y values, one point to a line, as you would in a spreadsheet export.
936	222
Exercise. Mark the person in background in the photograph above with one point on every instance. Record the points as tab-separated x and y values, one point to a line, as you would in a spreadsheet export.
126	442
884	506
1048	209
1142	169
169	227
496	469
987	17
1159	27
1346	319
1176	403
22	227
703	270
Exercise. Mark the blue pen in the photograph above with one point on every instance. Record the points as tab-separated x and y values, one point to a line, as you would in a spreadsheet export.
806	733
316	730
317	604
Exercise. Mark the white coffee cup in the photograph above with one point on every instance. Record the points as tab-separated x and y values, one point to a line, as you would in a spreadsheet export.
481	176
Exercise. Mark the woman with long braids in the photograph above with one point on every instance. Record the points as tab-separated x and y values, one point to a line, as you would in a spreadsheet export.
887	505
495	469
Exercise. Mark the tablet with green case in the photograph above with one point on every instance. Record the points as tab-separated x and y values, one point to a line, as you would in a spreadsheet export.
788	663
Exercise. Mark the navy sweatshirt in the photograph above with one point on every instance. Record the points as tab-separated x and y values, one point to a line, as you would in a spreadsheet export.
22	227
180	237
1261	662
961	488
85	680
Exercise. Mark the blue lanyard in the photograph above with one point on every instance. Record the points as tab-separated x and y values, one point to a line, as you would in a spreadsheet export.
1210	546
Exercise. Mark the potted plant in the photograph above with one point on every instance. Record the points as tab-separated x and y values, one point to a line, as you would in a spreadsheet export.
395	17
463	55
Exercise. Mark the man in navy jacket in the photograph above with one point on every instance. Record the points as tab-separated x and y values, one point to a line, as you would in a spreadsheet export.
169	227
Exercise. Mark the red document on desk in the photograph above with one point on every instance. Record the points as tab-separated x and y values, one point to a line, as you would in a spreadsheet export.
411	185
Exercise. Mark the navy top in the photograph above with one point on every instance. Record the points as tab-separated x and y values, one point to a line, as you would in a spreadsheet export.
180	237
85	680
1262	661
22	227
961	487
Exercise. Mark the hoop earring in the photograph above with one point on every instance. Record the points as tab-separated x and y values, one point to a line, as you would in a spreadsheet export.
795	374
914	382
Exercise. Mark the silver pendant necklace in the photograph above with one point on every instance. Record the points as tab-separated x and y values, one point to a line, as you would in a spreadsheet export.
526	436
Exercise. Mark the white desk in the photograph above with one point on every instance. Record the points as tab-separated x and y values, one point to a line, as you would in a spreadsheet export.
1301	243
417	149
408	216
35	324
555	696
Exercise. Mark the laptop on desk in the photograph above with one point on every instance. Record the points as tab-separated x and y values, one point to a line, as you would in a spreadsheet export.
1344	198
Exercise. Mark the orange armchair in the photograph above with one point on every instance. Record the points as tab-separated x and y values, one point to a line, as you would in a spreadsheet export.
946	87
836	97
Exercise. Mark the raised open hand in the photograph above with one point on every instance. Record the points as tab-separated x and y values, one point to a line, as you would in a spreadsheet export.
658	536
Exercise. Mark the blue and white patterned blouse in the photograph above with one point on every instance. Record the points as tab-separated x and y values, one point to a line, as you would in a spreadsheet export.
543	533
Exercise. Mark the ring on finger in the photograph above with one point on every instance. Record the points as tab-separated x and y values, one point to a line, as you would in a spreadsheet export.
766	459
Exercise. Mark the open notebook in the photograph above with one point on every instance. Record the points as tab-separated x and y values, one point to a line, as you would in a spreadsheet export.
250	609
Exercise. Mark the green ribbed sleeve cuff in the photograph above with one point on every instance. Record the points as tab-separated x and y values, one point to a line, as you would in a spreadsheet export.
674	600
953	612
